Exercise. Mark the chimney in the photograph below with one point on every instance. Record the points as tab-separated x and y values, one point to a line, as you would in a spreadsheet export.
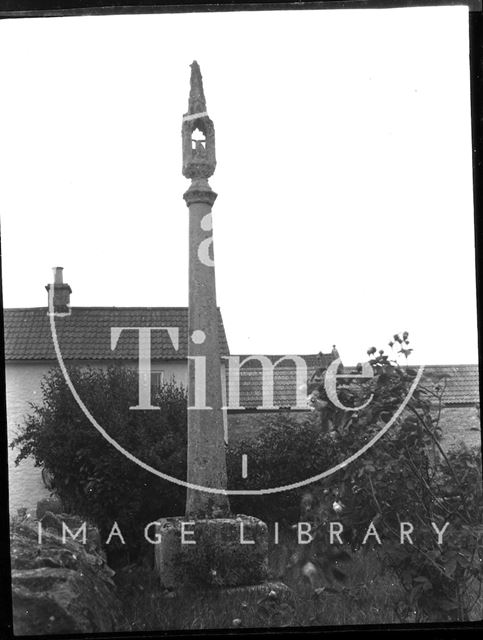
61	292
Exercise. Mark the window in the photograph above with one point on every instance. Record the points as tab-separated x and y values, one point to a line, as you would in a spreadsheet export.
157	378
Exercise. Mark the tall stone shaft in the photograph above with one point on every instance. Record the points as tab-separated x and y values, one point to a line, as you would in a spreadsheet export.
206	447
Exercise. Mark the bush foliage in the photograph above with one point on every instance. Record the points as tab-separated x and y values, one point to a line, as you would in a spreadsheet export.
406	477
284	452
92	478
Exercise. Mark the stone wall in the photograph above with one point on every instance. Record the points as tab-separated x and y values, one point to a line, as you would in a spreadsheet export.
61	587
459	424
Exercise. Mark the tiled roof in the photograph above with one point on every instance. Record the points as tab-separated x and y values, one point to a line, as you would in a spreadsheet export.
461	380
284	380
462	383
86	333
312	361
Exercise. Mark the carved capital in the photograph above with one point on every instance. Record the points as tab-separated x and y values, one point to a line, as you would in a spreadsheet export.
199	168
200	191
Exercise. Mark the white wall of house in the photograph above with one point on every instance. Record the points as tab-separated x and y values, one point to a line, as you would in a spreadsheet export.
22	380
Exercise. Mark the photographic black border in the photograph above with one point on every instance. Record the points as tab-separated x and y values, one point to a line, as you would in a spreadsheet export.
24	9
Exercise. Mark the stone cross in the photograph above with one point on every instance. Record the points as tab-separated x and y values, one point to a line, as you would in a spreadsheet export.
208	518
206	446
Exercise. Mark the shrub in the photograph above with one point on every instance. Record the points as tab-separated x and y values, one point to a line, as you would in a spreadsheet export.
92	478
285	451
405	477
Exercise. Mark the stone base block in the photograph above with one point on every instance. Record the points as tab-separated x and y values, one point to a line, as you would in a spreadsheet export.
217	552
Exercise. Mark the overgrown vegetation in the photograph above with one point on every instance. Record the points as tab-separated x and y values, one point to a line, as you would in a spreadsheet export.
92	478
368	598
284	452
405	482
406	477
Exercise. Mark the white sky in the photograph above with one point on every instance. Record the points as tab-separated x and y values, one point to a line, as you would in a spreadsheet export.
344	174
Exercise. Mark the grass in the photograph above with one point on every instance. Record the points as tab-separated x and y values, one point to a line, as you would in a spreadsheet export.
367	598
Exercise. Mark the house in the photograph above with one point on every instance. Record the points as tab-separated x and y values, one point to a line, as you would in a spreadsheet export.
84	337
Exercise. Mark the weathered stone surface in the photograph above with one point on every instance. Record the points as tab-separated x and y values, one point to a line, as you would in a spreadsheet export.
199	158
460	424
59	522
52	504
226	552
206	447
60	588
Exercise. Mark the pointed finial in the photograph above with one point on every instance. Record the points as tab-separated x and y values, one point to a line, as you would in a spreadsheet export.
197	102
198	132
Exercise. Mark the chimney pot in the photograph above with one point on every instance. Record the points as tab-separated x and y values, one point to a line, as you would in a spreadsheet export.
58	279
